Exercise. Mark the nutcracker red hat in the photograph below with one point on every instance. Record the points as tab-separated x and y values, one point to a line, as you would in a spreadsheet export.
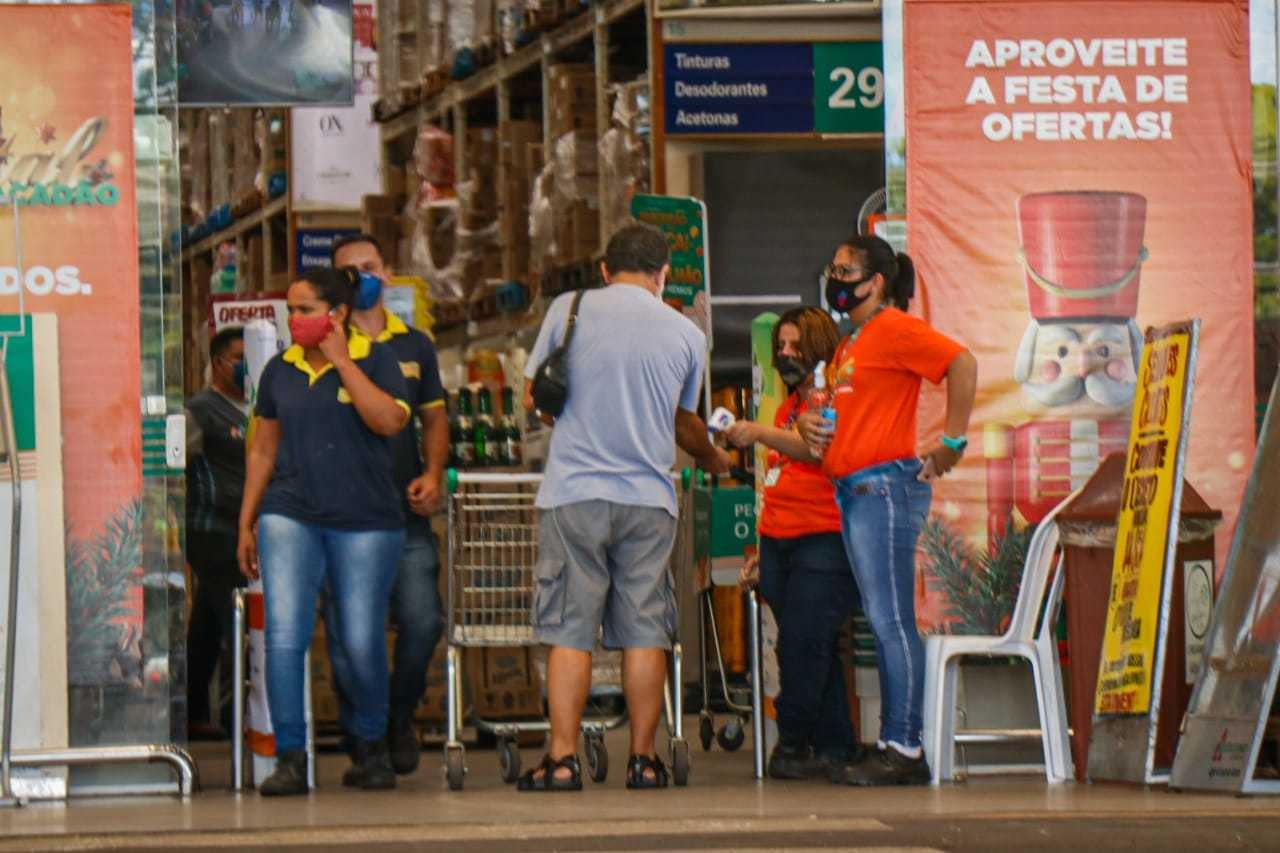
1082	252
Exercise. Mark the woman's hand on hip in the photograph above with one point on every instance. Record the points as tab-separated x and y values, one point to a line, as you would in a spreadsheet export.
247	554
938	462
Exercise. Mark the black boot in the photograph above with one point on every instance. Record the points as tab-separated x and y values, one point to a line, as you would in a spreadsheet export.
371	767
884	766
406	748
289	778
792	761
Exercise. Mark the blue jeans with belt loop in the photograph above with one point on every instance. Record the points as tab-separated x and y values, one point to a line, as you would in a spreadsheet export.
882	510
359	567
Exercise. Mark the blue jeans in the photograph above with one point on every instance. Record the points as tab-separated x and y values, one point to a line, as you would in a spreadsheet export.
419	621
810	589
882	510
359	566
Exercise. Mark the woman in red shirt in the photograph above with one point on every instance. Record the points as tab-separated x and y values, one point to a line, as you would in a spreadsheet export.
804	574
882	485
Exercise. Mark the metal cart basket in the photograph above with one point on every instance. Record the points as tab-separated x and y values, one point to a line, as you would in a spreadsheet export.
492	555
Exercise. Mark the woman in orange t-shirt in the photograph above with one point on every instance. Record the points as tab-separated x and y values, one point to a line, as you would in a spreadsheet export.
804	573
882	485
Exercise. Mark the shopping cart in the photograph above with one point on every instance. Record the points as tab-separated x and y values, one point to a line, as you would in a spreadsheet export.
492	553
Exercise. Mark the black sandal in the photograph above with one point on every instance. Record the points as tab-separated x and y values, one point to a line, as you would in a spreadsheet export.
638	765
529	781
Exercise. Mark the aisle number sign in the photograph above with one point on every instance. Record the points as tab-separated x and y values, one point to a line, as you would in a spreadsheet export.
1146	531
787	88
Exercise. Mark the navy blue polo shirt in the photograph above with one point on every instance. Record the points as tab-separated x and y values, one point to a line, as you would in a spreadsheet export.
331	470
420	368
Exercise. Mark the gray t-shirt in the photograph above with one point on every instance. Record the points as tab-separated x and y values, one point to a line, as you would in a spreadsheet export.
632	362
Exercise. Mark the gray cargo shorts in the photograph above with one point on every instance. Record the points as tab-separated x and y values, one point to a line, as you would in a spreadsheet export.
604	564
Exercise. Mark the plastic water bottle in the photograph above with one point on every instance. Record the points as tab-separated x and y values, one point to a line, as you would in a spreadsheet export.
820	400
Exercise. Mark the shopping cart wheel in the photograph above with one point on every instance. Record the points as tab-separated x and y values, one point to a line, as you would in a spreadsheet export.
706	731
455	767
732	734
509	760
680	762
597	758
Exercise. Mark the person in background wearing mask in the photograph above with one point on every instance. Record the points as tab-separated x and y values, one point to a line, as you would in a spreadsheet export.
217	418
415	599
321	511
607	505
803	572
882	485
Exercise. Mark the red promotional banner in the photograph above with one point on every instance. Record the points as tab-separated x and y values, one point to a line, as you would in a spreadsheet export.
67	162
1078	170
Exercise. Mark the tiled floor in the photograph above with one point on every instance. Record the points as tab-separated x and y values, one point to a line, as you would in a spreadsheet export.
721	800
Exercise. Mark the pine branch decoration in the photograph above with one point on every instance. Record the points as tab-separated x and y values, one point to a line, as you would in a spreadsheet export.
980	587
101	572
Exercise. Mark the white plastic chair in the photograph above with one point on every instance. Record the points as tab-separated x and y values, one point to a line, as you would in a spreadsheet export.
1030	636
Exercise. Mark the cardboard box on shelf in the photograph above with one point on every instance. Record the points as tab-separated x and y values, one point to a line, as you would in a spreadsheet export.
220	175
497	704
195	161
394	180
514	138
577	153
244	152
568	118
373	206
577	230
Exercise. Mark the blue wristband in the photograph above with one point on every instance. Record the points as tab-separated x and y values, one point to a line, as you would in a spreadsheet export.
956	444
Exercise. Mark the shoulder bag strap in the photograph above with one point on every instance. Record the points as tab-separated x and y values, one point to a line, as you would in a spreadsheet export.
573	320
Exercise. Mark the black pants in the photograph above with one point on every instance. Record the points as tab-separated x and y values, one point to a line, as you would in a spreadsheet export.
810	588
213	561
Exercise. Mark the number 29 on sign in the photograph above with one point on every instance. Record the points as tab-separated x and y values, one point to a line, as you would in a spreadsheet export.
849	87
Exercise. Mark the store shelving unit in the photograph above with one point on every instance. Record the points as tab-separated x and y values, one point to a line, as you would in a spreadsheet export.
493	94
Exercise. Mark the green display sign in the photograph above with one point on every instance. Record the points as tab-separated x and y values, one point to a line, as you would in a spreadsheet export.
848	87
684	222
22	380
724	521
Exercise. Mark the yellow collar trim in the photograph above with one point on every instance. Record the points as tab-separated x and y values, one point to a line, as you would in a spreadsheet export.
394	326
358	346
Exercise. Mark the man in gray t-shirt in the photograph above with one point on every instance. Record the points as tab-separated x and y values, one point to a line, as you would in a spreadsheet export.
608	505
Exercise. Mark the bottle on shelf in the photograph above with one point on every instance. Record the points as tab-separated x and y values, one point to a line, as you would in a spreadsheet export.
482	432
460	439
512	451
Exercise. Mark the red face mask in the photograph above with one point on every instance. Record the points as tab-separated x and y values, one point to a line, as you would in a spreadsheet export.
309	330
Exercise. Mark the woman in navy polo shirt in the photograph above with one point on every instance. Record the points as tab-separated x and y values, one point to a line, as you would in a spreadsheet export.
321	510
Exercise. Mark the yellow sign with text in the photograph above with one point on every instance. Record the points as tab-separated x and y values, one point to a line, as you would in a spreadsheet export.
1145	524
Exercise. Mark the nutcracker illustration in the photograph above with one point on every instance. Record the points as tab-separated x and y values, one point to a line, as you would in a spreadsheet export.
1082	253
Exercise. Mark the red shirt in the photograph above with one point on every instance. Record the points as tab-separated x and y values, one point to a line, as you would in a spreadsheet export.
799	500
875	382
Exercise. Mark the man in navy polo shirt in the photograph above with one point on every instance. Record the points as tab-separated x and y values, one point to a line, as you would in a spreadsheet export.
419	474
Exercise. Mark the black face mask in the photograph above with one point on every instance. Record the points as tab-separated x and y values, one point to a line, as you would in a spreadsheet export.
841	296
793	371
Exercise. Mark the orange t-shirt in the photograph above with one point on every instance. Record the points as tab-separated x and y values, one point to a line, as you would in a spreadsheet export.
799	500
875	382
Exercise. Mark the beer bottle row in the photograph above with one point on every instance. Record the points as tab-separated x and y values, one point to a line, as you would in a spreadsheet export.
479	440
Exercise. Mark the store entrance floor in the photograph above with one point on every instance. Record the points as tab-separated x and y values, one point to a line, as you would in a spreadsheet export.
723	808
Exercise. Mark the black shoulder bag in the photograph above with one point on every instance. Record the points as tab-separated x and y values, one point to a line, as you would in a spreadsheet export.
551	379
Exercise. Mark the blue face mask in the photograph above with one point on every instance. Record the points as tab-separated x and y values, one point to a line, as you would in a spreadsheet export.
238	374
369	292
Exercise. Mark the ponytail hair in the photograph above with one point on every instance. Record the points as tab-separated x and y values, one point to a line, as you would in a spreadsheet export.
897	267
335	286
